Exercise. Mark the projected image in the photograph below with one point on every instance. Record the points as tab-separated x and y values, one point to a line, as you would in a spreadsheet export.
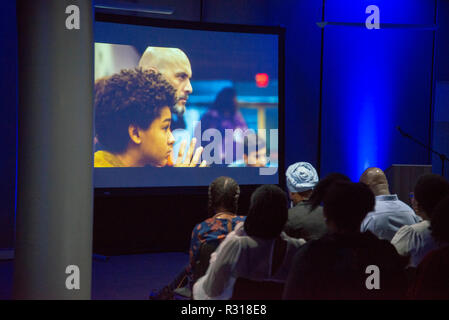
210	101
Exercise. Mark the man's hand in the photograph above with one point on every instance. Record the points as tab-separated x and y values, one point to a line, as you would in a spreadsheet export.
189	161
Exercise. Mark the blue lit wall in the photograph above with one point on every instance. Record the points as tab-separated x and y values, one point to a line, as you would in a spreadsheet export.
302	76
373	81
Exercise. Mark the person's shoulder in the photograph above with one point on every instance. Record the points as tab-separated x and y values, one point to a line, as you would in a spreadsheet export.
422	227
106	159
304	209
406	208
378	244
404	232
204	225
415	233
239	218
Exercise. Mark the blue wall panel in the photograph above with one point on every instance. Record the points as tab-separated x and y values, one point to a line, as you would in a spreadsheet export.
302	77
373	81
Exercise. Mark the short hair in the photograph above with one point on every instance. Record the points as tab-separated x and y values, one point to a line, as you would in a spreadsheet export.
439	225
320	189
223	192
429	190
346	204
267	213
134	96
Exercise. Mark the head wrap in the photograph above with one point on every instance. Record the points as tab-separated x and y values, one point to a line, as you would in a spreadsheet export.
301	176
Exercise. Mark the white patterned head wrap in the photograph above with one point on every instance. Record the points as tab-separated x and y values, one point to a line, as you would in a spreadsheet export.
301	176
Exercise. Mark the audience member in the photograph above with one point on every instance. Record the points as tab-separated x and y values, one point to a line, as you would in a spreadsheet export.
247	251
389	213
432	280
338	265
302	221
416	240
223	199
224	193
316	198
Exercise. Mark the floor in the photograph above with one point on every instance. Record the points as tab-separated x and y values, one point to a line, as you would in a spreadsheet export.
128	277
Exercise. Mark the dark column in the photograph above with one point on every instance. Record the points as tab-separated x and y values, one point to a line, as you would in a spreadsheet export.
55	198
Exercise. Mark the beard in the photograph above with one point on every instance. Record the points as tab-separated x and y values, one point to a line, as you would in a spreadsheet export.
179	109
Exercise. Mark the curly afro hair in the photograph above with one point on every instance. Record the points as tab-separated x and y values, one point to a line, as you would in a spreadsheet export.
133	96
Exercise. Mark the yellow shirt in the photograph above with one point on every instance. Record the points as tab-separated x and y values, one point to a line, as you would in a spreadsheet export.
104	158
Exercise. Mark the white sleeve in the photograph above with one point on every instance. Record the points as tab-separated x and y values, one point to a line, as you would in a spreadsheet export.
366	224
218	282
402	239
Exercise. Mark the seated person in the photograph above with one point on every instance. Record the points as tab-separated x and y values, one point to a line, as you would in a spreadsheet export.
223	194
432	281
335	266
132	120
416	240
302	221
247	251
389	213
223	200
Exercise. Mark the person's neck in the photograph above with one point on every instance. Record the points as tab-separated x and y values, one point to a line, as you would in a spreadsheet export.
298	198
380	190
298	201
332	227
130	158
223	212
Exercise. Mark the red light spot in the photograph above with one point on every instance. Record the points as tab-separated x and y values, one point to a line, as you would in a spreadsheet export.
262	80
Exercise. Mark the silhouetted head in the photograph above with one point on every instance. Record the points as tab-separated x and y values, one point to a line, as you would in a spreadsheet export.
267	213
345	205
321	187
429	191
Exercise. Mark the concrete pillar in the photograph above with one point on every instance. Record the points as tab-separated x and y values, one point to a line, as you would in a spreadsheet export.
55	193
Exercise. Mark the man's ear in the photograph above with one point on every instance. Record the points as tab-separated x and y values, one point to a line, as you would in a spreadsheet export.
134	134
